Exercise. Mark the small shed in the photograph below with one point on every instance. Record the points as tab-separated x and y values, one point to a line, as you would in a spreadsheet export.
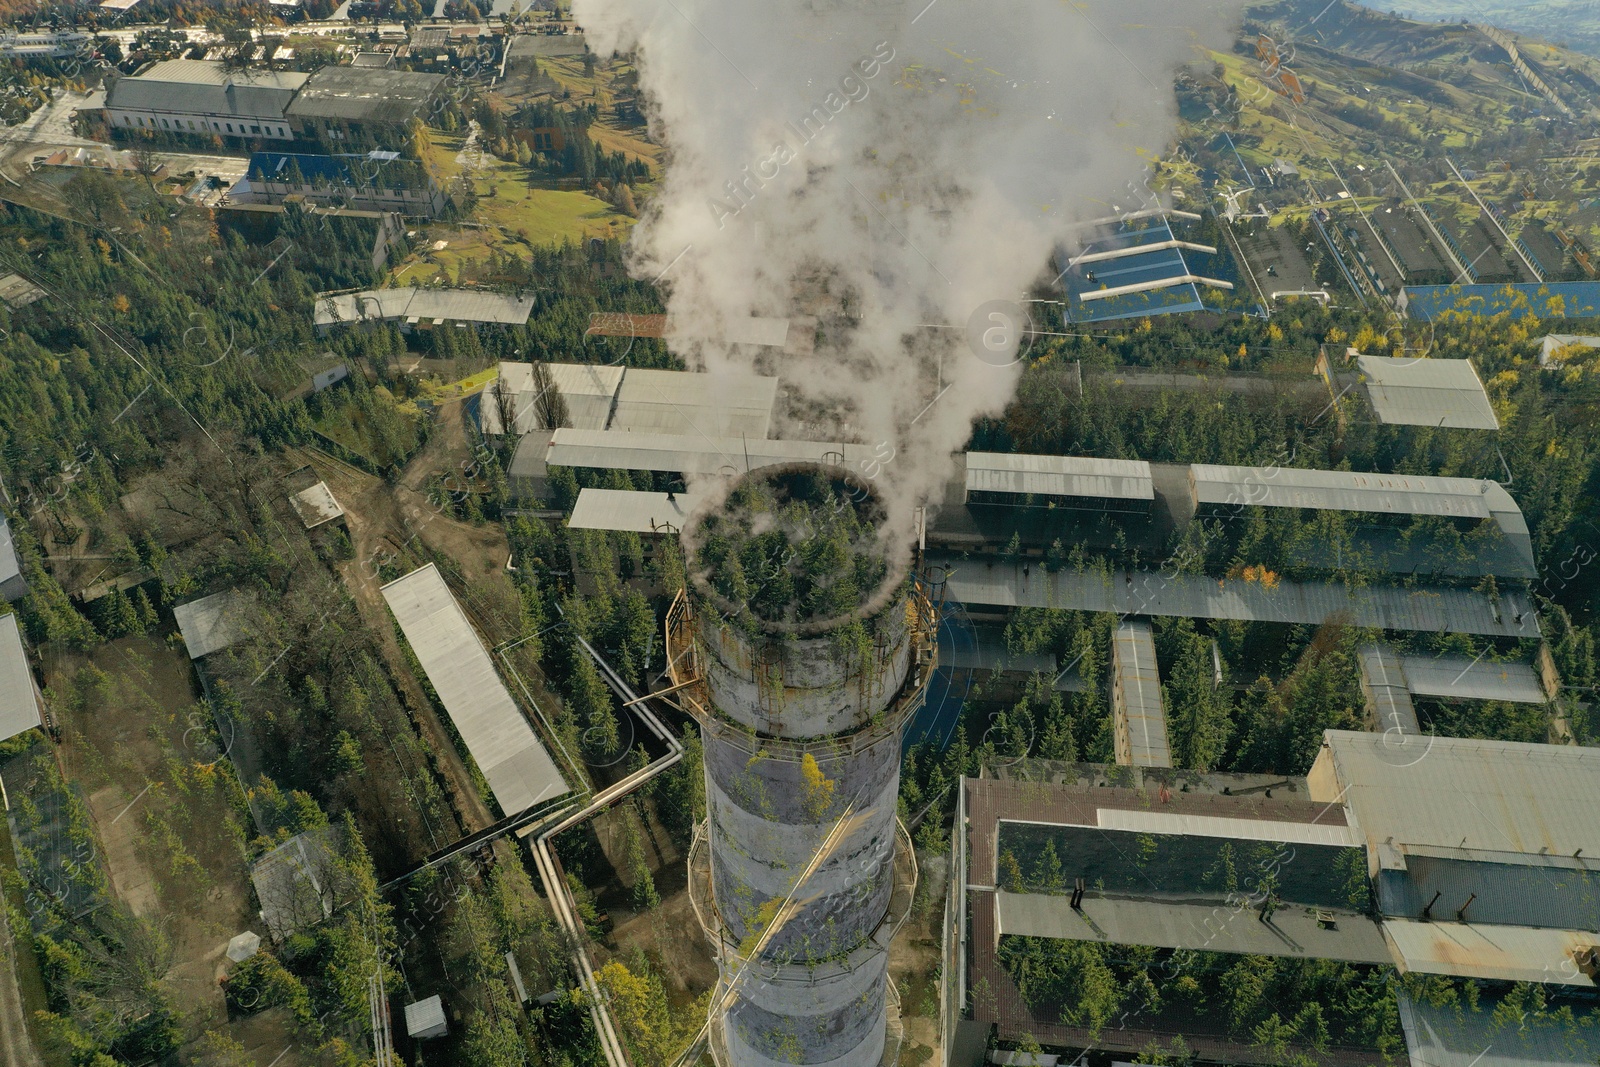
296	882
212	623
18	291
332	376
425	1018
316	506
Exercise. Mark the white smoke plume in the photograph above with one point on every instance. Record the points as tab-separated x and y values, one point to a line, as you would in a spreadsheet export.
884	166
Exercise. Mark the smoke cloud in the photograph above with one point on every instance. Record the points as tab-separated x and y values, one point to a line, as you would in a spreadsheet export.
885	167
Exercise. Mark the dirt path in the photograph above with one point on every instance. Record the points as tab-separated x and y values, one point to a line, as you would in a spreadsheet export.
377	532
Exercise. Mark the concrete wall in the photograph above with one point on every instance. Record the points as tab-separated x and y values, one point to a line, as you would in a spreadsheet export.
803	687
801	741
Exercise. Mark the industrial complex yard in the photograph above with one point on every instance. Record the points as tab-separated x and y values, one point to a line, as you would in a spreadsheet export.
580	535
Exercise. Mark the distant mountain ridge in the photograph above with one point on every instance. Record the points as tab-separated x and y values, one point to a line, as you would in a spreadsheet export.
1574	23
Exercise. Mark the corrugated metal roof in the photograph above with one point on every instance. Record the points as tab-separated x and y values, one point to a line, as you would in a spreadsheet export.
1508	516
1492	891
1383	682
1510	614
1464	678
626	510
1555	342
1427	392
1068	476
19	701
18	291
1172	923
437	305
425	1018
497	734
528	462
1236	829
212	623
203	87
1140	712
689	453
587	388
1384	494
1506	953
680	402
365	94
1466	794
315	505
294	882
10	566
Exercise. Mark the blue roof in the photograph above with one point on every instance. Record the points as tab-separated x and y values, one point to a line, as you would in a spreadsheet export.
1554	300
275	166
1139	268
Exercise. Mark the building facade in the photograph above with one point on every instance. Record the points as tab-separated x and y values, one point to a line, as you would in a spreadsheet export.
373	181
197	97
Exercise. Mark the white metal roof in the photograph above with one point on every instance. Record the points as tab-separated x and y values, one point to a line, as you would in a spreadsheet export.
1555	342
497	734
1510	614
315	505
1168	923
1236	829
19	700
10	566
1465	678
1141	712
1491	951
1386	494
1427	392
1069	476
704	405
211	623
587	388
425	1017
689	453
626	510
435	305
1383	681
1455	793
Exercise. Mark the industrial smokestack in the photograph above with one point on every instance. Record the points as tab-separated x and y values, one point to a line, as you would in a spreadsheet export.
812	645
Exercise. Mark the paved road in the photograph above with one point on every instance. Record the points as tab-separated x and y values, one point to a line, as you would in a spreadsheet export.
50	128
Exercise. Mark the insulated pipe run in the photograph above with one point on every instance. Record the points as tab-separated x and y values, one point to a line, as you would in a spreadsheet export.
555	886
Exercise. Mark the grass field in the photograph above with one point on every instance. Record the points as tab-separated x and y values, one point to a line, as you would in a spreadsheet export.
509	215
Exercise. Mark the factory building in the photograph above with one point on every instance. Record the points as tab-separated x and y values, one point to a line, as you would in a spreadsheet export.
342	107
413	308
374	181
193	96
1469	860
363	107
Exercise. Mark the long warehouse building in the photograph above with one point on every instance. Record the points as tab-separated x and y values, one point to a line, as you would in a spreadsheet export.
502	742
